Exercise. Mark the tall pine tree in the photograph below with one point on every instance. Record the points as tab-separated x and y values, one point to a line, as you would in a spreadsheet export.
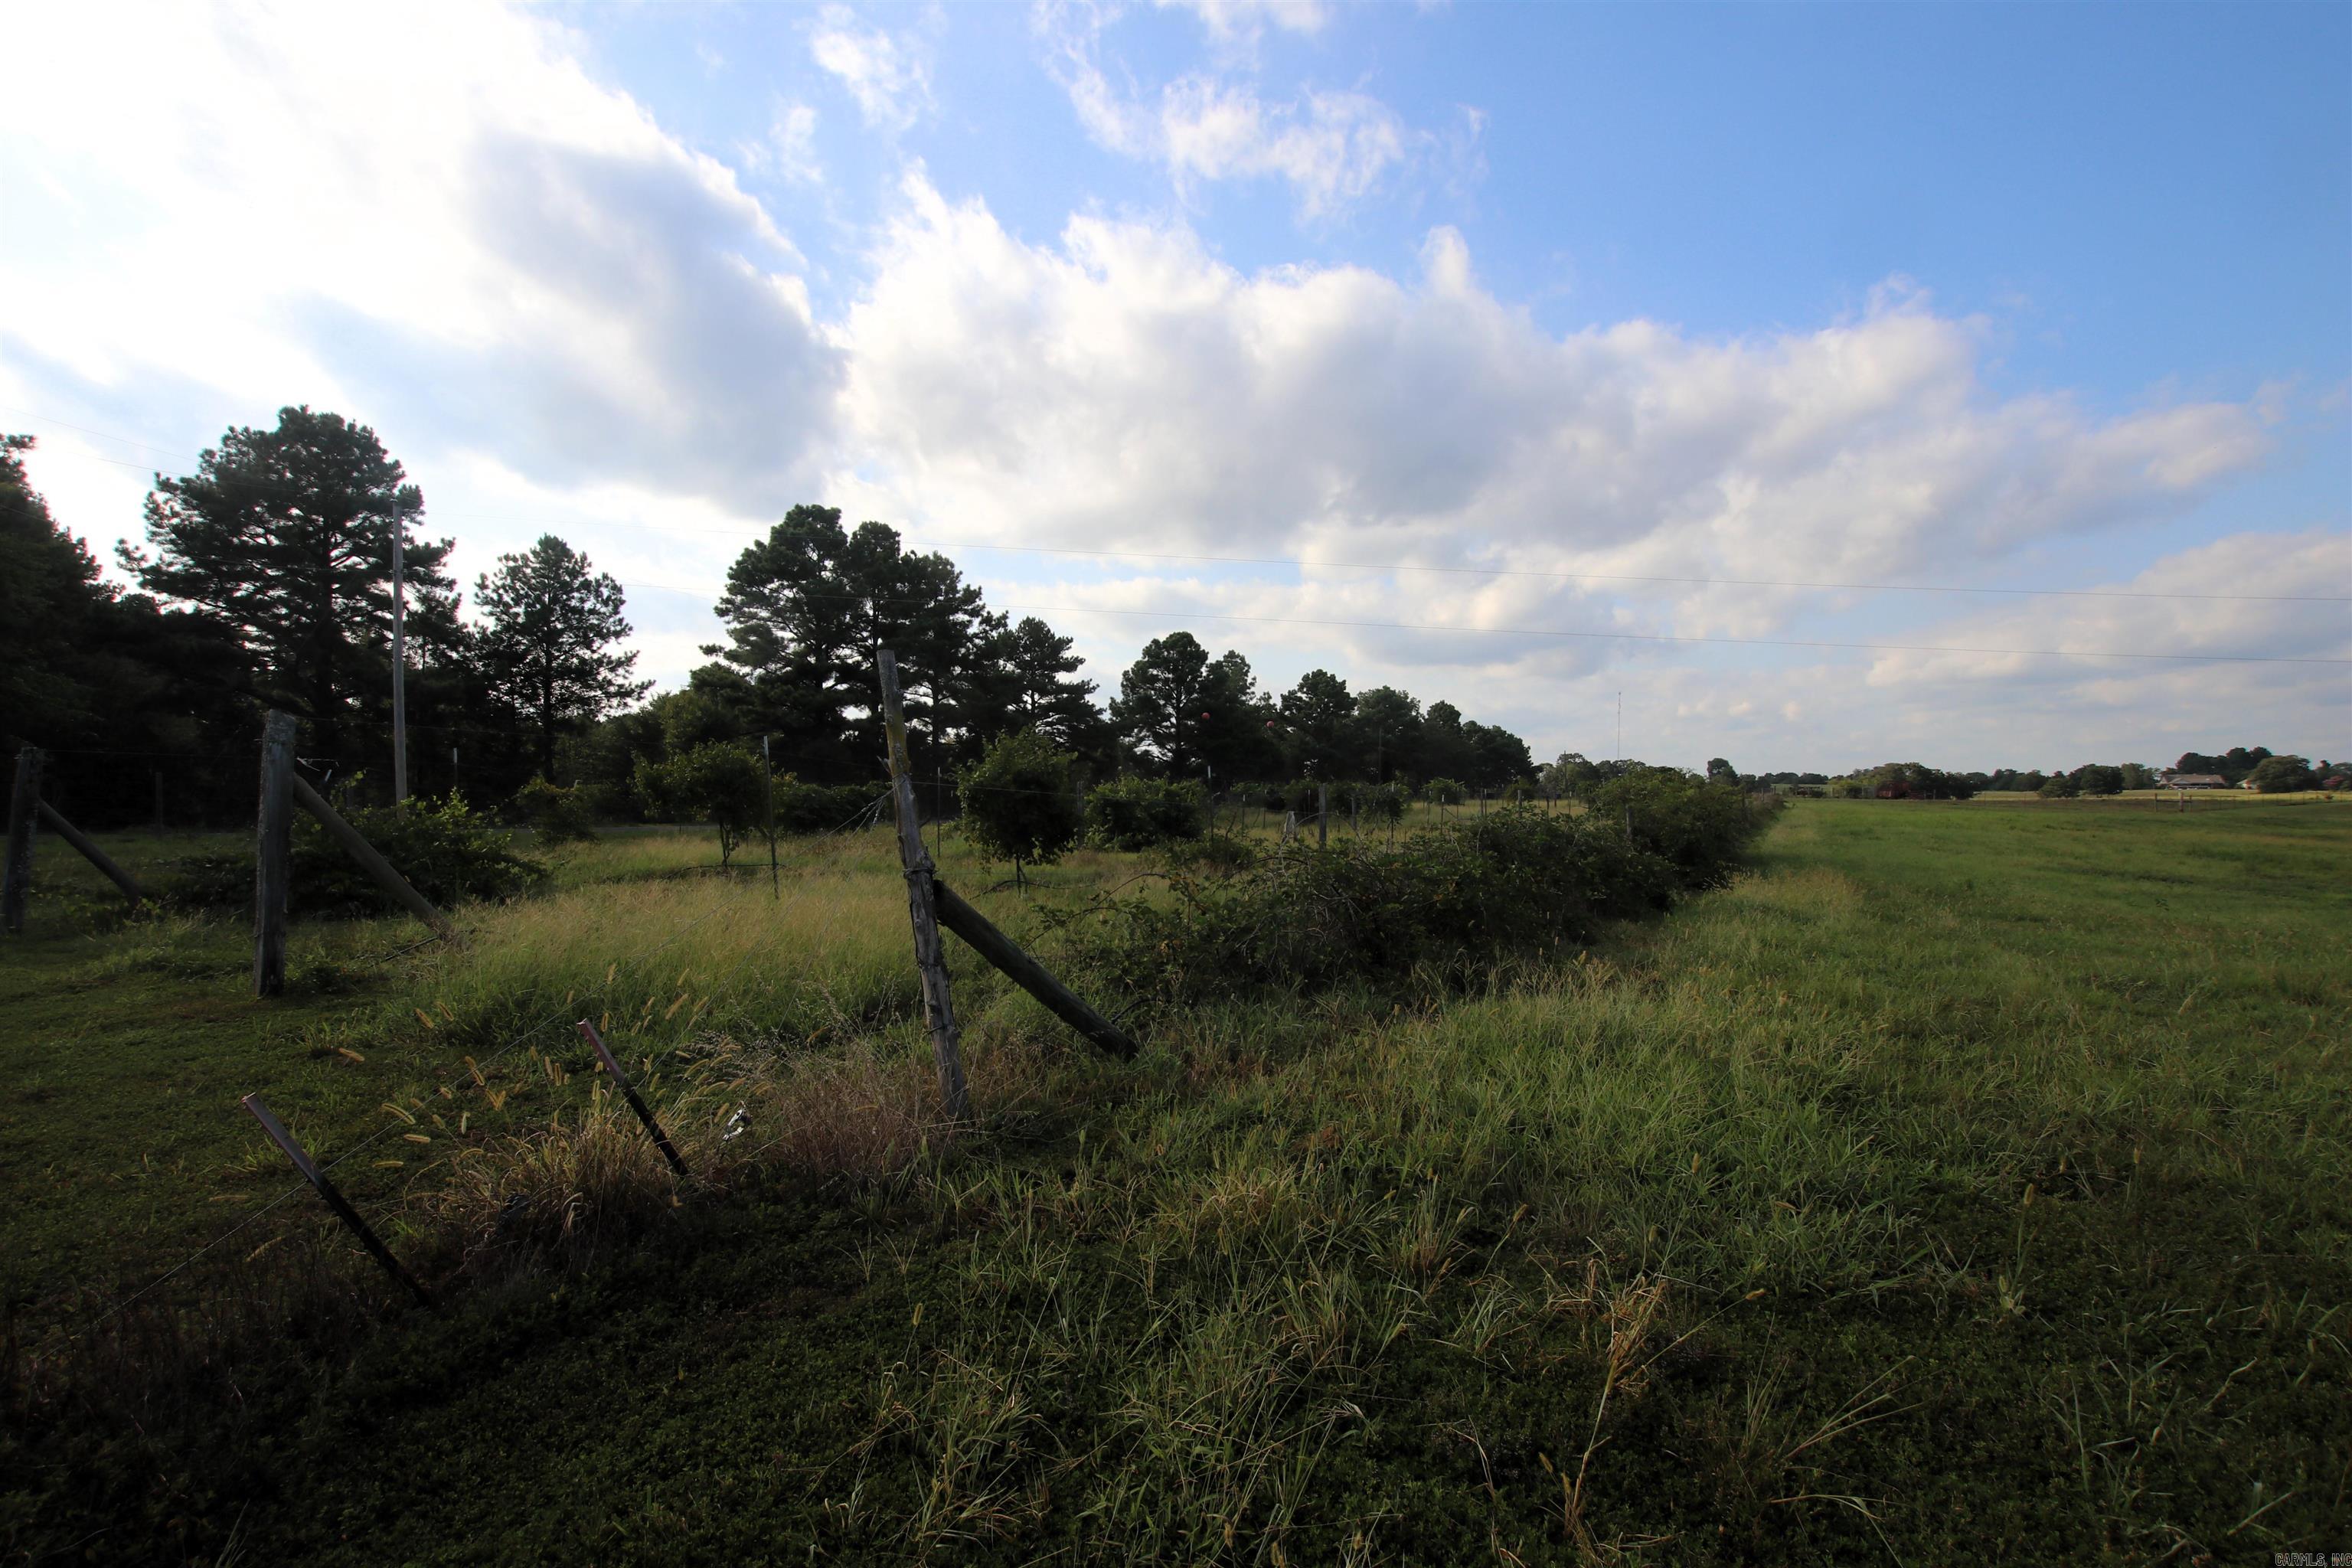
1039	664
285	536
807	607
545	646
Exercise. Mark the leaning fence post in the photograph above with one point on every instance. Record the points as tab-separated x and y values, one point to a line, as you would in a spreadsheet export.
272	849
327	1190
92	853
922	912
24	805
372	862
1028	974
629	1092
1322	814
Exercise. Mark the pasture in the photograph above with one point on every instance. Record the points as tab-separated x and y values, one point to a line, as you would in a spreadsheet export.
1965	1182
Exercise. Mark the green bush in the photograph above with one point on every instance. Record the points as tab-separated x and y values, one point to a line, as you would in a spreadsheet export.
446	849
1439	909
556	814
1144	814
806	808
1445	792
1699	828
1020	802
719	781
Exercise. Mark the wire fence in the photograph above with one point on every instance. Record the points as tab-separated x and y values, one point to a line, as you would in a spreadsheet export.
589	1000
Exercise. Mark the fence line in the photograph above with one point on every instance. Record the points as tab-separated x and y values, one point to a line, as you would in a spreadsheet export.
253	1215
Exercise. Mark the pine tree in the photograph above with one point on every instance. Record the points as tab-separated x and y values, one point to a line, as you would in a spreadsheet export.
1039	661
285	536
546	642
807	609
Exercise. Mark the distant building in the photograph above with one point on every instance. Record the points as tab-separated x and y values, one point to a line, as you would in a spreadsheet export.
2194	781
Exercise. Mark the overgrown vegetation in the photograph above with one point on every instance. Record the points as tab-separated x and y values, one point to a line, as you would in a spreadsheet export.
1132	814
1960	1182
447	851
1446	907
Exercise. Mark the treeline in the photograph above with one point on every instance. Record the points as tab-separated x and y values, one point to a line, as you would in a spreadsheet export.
265	580
2257	766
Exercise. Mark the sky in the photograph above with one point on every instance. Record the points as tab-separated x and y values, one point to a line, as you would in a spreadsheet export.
1826	385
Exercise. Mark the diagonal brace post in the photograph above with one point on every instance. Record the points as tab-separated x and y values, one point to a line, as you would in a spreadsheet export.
629	1093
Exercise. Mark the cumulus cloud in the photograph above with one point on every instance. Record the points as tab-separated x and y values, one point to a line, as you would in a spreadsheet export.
887	74
1333	148
447	222
1243	22
1121	384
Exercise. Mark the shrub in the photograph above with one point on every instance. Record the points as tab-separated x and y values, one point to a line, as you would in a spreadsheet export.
1020	802
804	808
1903	781
1699	828
446	851
557	814
1445	792
720	782
1442	908
1143	813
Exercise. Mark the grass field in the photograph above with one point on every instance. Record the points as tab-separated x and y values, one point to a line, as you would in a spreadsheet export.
1968	1183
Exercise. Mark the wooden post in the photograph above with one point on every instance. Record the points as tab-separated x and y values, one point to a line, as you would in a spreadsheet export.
24	810
273	846
1322	814
159	797
91	852
768	803
335	1199
371	861
1027	972
923	911
399	670
629	1092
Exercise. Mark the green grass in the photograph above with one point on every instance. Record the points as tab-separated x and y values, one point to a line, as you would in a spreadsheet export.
1967	1184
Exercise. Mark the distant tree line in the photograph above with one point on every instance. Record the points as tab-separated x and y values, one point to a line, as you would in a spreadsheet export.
265	580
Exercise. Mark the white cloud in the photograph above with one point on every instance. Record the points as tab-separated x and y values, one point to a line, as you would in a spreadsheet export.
446	223
561	316
1124	385
889	75
1333	148
789	150
1237	26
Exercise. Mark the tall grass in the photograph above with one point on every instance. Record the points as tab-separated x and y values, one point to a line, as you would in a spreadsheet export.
1933	1190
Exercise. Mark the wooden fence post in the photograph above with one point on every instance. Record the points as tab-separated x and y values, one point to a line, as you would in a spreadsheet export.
272	850
923	911
1028	974
91	852
1322	814
629	1092
23	809
327	1190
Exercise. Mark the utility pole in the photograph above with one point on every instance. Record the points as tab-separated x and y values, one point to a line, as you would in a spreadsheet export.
399	671
1618	753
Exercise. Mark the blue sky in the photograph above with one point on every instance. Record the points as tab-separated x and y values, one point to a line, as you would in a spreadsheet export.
2047	296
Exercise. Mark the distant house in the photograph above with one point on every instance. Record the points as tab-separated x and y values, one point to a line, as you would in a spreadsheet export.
2194	781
